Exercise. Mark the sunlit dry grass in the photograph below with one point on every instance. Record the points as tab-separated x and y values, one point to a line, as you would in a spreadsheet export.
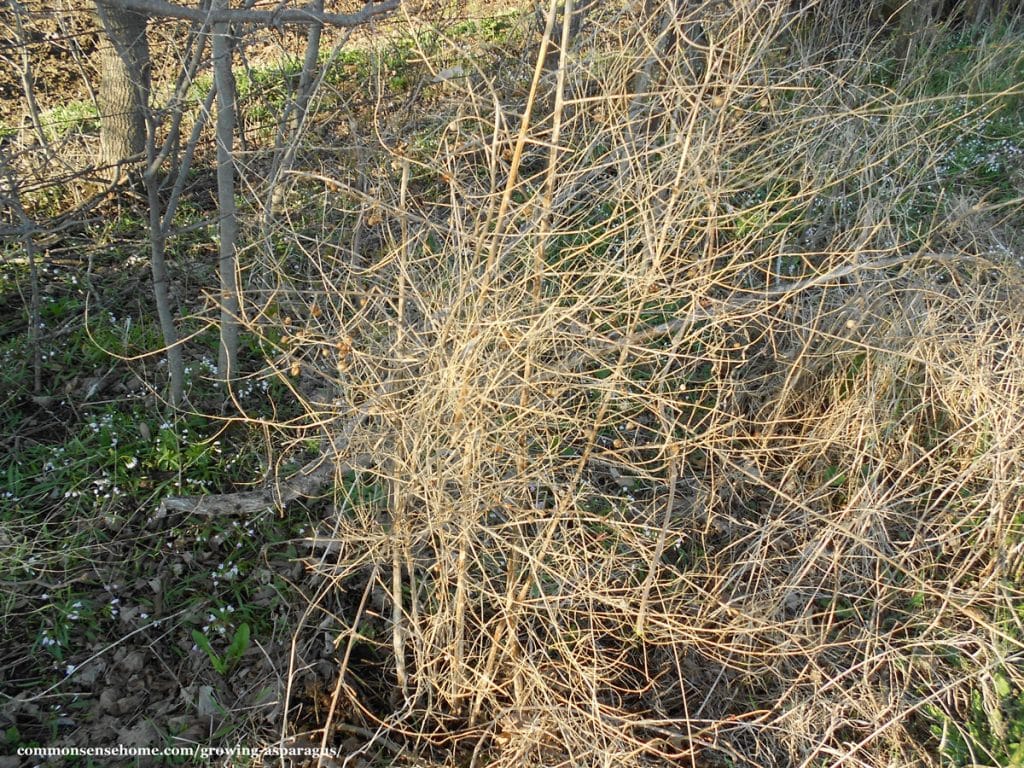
694	397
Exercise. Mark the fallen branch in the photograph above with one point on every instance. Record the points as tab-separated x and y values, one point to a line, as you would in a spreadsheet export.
308	482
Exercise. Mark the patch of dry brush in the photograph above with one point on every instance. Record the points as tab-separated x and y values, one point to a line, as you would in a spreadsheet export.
693	450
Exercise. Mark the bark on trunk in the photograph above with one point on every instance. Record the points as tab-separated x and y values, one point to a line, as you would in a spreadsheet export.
124	88
224	79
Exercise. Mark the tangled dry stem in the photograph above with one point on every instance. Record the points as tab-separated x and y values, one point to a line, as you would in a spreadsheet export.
688	452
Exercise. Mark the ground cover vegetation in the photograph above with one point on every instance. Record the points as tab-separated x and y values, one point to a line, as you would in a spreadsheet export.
618	385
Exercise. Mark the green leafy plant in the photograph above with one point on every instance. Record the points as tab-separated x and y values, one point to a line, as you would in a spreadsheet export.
232	654
987	735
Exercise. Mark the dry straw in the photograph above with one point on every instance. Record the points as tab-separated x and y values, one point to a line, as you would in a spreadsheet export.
689	443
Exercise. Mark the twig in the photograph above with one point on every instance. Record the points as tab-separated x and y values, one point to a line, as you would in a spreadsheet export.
306	15
673	475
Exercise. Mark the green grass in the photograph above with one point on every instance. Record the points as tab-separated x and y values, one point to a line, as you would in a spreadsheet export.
988	733
71	118
81	479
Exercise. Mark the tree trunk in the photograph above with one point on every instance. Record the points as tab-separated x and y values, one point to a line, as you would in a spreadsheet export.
224	79
124	88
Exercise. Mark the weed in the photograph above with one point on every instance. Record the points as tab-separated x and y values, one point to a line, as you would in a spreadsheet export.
222	664
66	119
991	734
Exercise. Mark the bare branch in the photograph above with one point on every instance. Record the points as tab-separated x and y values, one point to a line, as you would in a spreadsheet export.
306	15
